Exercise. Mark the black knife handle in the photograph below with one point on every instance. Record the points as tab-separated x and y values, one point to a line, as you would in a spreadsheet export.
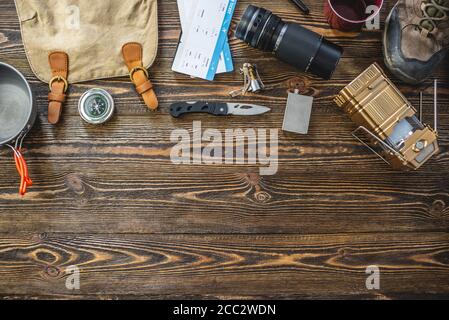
181	108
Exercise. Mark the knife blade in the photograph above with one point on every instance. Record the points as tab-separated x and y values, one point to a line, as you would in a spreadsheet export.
217	108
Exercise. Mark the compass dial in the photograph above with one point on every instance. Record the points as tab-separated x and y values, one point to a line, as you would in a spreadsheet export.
96	106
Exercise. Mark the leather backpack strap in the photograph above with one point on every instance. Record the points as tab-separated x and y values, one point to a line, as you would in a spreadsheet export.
132	54
59	64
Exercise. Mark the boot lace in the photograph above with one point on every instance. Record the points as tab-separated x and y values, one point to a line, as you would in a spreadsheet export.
442	14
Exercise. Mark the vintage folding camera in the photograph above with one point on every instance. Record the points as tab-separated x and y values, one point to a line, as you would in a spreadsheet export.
388	120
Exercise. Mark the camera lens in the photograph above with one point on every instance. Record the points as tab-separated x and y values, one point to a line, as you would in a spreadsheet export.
291	43
257	28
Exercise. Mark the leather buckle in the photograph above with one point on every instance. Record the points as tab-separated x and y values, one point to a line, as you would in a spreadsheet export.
58	79
134	70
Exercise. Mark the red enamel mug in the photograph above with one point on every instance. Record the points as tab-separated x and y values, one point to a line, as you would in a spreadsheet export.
351	15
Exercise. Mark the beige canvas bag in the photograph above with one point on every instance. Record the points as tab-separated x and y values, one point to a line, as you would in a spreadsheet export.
70	41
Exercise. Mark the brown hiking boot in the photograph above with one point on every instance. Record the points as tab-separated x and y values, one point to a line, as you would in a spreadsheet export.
416	38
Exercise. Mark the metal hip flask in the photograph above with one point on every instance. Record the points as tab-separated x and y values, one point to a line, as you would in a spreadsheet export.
298	113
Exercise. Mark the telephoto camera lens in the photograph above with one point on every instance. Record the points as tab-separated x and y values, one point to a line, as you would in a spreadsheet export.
290	42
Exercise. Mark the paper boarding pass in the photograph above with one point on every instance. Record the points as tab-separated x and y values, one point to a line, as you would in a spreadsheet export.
204	39
225	63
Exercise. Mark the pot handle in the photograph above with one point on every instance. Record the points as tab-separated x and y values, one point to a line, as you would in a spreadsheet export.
22	169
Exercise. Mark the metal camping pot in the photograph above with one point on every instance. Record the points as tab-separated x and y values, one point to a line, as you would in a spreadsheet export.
17	115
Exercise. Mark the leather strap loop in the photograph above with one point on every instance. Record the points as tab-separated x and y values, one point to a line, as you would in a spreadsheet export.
132	54
58	97
134	70
144	87
59	63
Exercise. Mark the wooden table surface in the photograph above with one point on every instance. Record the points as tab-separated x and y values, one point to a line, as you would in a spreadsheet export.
109	200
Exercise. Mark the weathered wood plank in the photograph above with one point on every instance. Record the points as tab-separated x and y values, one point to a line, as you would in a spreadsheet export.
202	200
222	266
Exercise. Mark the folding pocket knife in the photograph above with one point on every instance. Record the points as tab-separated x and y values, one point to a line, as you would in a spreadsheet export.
217	109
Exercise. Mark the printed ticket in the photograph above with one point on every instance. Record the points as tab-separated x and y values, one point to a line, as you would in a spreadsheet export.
225	63
205	38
